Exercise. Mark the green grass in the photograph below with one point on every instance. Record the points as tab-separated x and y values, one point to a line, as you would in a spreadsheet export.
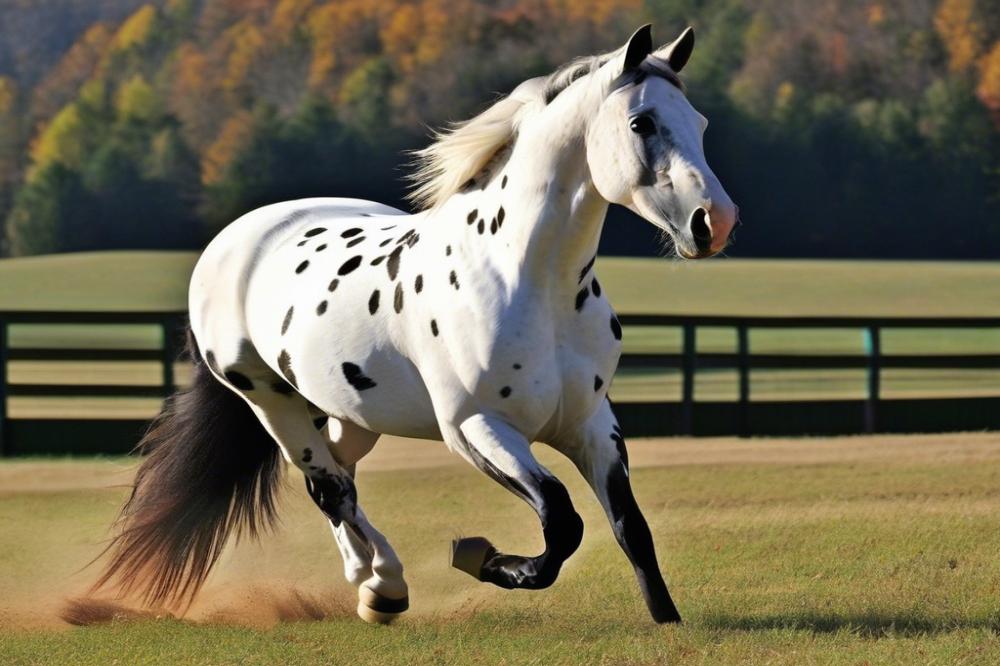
813	552
158	280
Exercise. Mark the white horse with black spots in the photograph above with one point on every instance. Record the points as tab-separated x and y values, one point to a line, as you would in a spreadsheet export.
477	321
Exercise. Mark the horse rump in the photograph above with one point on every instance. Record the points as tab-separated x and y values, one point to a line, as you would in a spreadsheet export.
210	470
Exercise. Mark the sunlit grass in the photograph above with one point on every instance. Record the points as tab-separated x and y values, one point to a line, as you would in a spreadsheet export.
879	551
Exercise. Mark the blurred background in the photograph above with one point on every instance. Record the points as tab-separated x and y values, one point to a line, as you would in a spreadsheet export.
859	137
844	128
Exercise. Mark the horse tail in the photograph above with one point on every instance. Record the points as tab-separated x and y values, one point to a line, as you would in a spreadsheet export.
210	470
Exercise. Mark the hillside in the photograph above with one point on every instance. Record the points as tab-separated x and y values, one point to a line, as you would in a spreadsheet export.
842	128
35	34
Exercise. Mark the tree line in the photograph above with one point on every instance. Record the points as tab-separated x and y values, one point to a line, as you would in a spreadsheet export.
843	128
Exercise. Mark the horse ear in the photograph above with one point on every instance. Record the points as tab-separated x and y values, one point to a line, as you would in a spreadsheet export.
677	52
640	45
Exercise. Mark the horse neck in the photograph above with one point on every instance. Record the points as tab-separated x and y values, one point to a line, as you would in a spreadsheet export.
555	214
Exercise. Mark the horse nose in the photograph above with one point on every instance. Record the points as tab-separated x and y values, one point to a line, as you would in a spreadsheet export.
701	230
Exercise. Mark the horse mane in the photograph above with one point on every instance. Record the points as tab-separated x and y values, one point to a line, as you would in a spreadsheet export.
461	151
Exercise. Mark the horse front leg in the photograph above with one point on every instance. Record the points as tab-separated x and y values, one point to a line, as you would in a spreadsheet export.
598	450
504	454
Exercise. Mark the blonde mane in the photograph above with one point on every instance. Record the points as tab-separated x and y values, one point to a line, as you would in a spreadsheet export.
460	152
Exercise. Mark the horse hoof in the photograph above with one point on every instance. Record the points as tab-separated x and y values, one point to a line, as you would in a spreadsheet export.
470	554
376	609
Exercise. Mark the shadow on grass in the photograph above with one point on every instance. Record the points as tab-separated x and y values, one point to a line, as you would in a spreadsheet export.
866	625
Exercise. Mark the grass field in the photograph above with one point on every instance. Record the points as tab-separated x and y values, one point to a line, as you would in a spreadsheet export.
157	281
850	551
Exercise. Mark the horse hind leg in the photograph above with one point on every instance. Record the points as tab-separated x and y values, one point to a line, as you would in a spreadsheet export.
370	563
327	460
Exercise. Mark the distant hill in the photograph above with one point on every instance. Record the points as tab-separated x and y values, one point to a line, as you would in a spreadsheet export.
841	128
34	34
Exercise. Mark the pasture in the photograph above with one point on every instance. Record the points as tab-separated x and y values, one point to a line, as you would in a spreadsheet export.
157	281
857	550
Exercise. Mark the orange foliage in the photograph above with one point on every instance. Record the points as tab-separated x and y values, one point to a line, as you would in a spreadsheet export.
246	41
288	16
236	132
956	23
74	68
988	89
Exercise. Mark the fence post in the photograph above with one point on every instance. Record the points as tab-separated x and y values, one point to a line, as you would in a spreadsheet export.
687	389
743	366
169	326
873	347
4	444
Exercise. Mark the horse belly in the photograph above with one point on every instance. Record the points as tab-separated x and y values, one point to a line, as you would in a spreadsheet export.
388	395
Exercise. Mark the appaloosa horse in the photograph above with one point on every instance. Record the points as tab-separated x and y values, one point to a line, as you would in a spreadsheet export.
477	321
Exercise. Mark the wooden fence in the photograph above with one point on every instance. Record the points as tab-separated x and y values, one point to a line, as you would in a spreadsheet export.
686	416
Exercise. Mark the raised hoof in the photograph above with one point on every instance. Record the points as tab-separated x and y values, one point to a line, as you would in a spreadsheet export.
376	609
469	554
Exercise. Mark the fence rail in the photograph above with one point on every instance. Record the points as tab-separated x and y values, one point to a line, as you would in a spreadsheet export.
681	414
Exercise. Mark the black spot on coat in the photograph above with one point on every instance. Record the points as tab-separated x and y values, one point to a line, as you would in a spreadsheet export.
301	267
586	269
616	328
239	380
481	226
359	239
307	455
349	233
333	284
472	216
349	265
581	298
378	260
595	287
281	386
356	378
288	320
321	308
320	248
373	302
385	242
493	225
501	214
315	232
598	383
418	284
392	266
503	182
285	365
505	392
397	299
434	327
453	280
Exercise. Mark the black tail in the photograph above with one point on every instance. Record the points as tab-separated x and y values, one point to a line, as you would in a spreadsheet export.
211	469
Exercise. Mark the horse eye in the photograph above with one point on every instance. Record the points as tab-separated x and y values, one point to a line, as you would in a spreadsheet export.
642	125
